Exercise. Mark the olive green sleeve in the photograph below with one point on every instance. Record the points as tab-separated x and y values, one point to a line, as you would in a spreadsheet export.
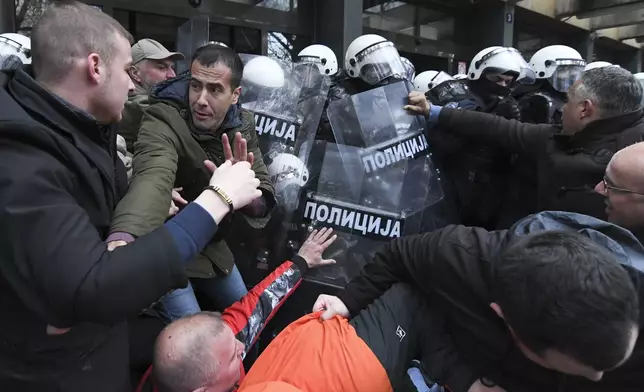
146	204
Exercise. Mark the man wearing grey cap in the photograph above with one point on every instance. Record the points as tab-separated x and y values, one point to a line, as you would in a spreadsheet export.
151	63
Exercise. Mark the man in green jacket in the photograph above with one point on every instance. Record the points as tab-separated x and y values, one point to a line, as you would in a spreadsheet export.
194	118
152	63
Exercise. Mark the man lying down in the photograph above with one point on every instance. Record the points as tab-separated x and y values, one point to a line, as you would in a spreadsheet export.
551	304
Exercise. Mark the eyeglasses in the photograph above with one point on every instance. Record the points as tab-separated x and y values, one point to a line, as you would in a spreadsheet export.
608	186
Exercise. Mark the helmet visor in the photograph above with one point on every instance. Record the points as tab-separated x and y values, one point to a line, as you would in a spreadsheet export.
565	76
380	62
439	78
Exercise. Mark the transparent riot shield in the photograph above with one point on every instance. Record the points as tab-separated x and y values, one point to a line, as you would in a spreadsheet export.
397	170
376	184
287	102
190	36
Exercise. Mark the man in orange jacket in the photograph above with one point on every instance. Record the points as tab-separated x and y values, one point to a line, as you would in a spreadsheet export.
371	352
188	349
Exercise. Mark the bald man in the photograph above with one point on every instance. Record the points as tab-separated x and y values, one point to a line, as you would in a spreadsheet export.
623	188
204	352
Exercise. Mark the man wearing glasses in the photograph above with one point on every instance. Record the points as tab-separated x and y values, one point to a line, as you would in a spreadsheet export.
623	189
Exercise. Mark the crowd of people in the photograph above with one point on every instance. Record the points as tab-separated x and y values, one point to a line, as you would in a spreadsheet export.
125	190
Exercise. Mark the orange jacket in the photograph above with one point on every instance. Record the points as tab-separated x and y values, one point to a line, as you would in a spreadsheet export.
313	355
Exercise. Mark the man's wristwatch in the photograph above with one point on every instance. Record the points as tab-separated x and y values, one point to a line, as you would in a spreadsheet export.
223	196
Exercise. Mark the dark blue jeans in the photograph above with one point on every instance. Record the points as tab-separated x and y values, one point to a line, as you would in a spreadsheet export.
223	291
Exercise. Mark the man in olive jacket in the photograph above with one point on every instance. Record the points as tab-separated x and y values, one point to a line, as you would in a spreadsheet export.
191	119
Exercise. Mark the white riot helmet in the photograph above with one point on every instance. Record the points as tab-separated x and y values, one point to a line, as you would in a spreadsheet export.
460	77
17	45
373	59
427	80
599	64
410	70
501	60
559	64
289	174
322	56
263	71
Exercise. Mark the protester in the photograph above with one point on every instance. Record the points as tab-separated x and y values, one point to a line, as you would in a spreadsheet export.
152	63
544	306
230	334
623	189
369	353
602	115
64	296
190	119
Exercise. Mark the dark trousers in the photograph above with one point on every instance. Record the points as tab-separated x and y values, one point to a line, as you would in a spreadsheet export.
396	327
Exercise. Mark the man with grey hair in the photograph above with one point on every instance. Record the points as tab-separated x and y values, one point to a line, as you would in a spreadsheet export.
65	295
152	63
603	114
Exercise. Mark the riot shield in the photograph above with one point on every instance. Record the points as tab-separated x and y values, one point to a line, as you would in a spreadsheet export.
287	102
376	184
190	36
287	112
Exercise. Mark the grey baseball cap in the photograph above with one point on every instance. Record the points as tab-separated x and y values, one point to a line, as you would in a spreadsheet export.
149	49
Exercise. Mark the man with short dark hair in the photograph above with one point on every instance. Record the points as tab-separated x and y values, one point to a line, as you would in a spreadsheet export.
183	126
64	296
551	304
152	63
603	114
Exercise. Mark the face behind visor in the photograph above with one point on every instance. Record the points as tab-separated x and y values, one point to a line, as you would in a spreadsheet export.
380	62
566	74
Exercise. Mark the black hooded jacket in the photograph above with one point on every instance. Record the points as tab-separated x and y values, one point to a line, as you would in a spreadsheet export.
453	269
60	180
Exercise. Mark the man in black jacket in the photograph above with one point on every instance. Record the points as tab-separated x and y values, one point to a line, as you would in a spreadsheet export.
64	297
603	115
549	305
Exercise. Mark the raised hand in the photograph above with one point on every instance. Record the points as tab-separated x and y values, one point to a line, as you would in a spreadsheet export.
315	245
241	150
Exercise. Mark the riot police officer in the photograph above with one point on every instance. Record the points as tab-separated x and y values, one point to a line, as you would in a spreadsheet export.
370	61
478	176
557	67
492	75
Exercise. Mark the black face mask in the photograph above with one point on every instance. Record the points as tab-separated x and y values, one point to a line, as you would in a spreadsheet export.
488	89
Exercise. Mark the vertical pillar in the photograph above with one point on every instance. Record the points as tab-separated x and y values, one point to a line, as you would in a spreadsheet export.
496	24
634	64
337	23
264	42
7	16
587	47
